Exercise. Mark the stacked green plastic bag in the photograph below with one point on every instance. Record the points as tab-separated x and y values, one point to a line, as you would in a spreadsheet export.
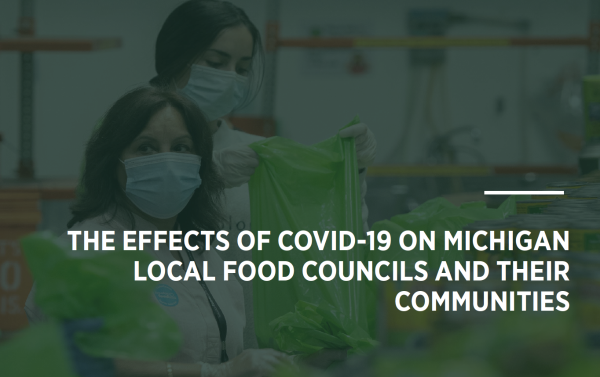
516	344
437	215
314	327
73	285
36	351
313	188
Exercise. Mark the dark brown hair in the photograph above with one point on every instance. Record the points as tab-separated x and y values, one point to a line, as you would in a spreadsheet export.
189	31
100	192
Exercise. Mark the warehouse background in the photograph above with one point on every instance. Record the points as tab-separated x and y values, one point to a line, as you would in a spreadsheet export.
492	90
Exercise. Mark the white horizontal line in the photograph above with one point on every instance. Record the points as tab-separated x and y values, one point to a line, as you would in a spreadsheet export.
545	192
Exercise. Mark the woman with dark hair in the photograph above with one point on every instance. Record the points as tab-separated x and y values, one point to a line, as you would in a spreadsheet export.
132	134
210	51
149	167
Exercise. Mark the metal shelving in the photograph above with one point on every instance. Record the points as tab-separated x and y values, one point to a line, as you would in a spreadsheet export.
274	42
26	44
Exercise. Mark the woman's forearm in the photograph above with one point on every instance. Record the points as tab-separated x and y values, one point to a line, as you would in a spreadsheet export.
135	368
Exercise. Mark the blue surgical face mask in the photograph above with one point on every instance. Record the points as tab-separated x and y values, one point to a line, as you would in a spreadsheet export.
216	92
162	184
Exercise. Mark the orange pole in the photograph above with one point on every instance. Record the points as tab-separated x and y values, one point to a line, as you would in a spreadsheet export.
317	42
39	44
574	41
429	42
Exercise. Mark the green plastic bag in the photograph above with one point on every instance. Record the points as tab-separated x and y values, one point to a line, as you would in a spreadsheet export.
437	215
312	188
89	284
314	327
36	351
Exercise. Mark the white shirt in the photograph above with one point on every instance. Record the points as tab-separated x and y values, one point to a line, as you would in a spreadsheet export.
236	208
184	301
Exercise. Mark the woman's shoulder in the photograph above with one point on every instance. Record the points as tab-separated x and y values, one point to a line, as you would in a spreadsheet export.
227	136
246	137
